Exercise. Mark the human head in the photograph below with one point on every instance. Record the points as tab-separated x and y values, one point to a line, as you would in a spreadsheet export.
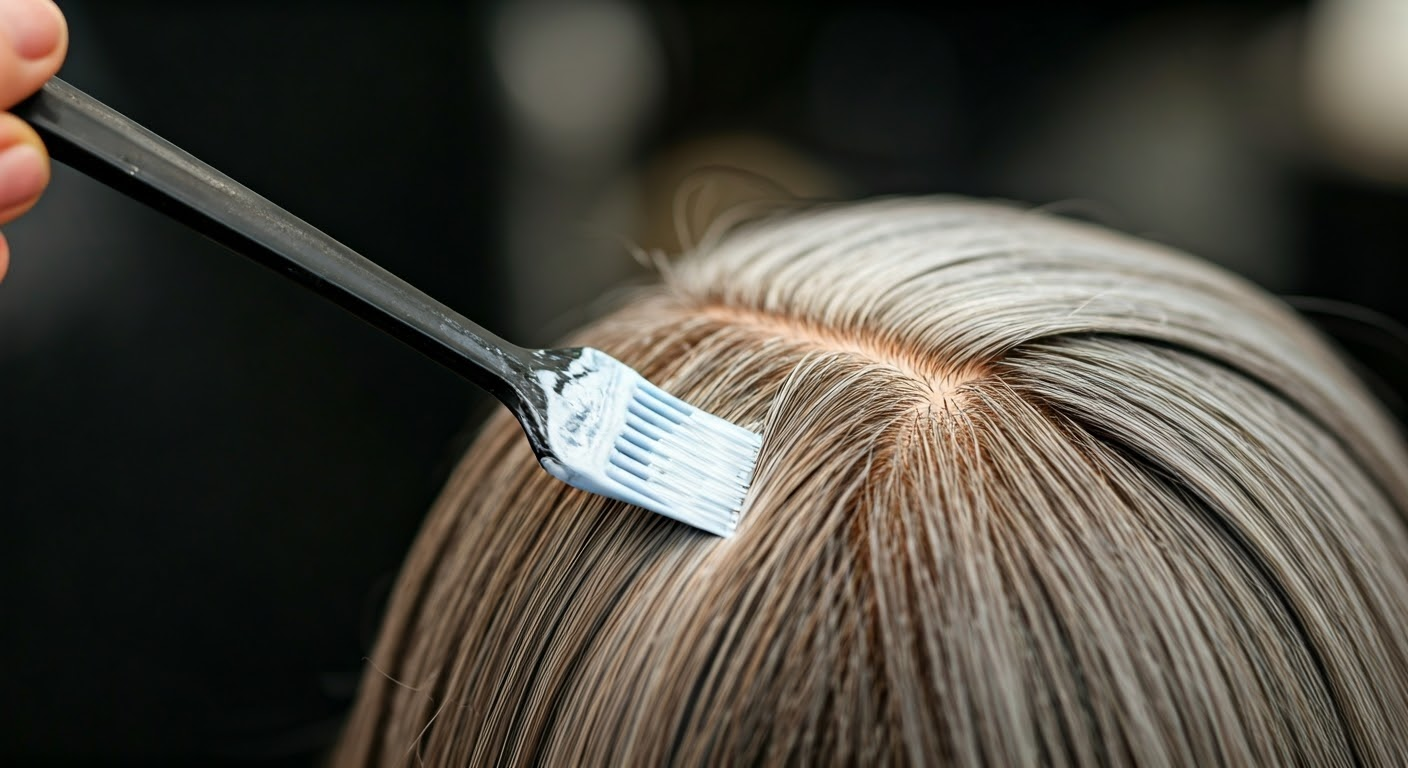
1030	491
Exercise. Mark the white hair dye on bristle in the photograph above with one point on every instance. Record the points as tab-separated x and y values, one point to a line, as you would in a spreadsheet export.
611	432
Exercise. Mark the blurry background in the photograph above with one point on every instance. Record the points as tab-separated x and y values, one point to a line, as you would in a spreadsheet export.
208	478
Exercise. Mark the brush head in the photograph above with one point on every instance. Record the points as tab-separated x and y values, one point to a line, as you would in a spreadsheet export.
611	432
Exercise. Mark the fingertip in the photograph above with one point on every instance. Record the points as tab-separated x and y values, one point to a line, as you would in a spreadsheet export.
24	174
24	167
37	37
36	28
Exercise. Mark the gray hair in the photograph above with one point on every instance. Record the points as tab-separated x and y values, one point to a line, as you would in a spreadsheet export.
1030	492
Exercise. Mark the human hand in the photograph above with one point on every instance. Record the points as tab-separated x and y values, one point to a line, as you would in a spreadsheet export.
33	41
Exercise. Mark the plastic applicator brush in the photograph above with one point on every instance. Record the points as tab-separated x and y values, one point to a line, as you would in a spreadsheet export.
593	422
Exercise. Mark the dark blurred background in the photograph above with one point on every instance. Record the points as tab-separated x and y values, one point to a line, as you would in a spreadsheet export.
208	478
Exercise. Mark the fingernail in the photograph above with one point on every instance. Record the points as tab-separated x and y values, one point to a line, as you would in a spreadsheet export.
34	26
22	175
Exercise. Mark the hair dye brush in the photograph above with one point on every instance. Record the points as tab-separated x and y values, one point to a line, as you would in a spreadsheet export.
593	422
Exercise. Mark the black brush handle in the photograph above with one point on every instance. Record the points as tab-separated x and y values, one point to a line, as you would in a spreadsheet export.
86	134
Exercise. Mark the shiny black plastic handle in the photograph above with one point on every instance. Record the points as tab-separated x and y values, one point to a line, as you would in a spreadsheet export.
86	134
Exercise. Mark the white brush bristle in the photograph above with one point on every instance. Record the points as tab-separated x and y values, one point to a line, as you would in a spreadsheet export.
663	454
